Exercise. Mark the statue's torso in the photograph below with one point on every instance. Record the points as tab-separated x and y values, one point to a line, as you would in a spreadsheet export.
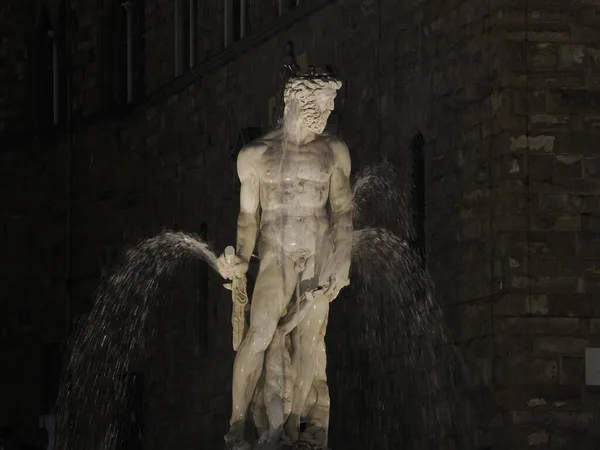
294	189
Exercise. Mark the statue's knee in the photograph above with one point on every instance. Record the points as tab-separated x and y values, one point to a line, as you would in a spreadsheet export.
260	338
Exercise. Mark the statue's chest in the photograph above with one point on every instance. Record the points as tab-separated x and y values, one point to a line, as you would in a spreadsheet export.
306	164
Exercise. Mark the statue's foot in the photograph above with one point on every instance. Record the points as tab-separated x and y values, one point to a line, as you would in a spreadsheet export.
306	445
264	437
242	445
291	430
272	436
269	440
315	434
234	439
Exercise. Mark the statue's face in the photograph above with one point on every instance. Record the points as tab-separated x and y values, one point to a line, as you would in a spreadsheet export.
316	110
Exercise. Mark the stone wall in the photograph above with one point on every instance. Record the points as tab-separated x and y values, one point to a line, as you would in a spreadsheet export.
504	95
545	211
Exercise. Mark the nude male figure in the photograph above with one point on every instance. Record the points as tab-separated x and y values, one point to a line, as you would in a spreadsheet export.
295	200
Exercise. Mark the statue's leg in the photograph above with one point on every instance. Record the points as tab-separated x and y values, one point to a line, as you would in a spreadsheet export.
318	424
305	357
278	370
273	289
258	408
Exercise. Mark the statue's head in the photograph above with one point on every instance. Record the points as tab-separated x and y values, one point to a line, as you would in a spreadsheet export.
312	98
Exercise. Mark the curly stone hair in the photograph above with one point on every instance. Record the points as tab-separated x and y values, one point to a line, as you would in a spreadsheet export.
305	89
301	95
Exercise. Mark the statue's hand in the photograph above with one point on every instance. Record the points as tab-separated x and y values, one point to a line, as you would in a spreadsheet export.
231	267
334	286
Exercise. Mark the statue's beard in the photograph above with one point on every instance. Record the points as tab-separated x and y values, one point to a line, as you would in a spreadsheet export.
313	119
305	117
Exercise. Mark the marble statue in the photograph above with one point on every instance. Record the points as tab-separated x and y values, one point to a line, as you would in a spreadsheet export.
295	208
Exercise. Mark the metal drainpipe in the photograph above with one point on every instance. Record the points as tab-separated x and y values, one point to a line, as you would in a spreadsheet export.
69	174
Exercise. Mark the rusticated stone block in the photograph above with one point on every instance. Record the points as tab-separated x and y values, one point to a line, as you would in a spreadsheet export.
540	166
512	305
588	245
543	55
571	370
560	203
538	305
536	438
568	166
508	344
567	439
560	345
542	143
526	369
572	305
538	325
590	167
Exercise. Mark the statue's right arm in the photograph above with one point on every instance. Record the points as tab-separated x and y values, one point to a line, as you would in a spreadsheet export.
247	226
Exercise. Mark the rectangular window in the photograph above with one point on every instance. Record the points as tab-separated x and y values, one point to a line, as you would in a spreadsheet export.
116	56
44	75
193	26
127	81
138	45
236	20
125	56
417	148
182	36
51	71
55	79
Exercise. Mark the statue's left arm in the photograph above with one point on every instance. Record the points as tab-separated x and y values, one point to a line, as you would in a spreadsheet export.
340	200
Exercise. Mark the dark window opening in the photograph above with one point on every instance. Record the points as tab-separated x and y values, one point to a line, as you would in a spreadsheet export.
239	19
114	56
114	43
417	147
139	48
236	17
194	39
61	47
44	108
182	26
237	23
